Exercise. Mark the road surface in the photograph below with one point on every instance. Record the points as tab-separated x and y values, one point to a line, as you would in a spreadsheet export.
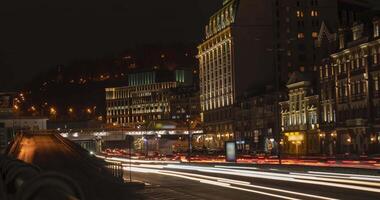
226	182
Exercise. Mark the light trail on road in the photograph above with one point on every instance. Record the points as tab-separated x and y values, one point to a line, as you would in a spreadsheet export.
235	177
222	182
306	178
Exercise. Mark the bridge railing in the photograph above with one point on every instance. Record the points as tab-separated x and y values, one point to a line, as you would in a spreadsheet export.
15	144
115	169
21	181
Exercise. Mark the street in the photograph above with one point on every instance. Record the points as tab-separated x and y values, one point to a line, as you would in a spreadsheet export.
183	181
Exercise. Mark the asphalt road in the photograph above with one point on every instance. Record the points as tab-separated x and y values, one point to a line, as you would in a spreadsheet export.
51	154
179	181
189	182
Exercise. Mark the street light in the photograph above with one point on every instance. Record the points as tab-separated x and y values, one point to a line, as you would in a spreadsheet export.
53	111
348	144
189	123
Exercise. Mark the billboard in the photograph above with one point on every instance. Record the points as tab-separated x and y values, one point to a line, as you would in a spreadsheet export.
231	151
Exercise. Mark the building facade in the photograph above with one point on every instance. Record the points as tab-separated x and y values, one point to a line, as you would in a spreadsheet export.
297	23
232	59
300	117
146	99
255	120
185	104
354	106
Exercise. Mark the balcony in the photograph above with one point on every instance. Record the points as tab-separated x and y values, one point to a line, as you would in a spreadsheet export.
302	127
356	122
342	100
358	97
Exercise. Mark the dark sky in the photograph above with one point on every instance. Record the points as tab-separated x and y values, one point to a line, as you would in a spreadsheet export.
38	34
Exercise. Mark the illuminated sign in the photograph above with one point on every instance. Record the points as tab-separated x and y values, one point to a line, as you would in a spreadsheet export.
295	137
231	151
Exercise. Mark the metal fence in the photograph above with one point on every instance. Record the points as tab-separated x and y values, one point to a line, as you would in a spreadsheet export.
115	168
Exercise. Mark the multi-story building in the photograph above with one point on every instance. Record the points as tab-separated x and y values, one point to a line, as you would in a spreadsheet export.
253	43
233	58
354	108
146	98
255	120
300	117
297	24
184	104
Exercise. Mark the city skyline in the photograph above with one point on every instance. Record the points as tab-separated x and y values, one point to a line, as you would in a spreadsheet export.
190	100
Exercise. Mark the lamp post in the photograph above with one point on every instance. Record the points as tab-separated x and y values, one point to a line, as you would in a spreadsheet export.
322	137
348	144
275	50
190	137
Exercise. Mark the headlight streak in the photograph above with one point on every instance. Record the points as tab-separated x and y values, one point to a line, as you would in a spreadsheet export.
343	174
236	167
342	177
327	179
139	161
248	184
221	181
278	176
225	185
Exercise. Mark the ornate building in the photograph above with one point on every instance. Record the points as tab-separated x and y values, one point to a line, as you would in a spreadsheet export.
300	117
354	67
297	24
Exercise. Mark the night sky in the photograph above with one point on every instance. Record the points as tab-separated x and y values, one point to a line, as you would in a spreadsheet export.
38	34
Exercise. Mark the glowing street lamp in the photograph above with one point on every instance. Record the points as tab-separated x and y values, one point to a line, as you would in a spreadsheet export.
71	110
53	111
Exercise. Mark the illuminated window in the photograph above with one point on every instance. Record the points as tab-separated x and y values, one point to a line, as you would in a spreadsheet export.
341	41
375	59
376	30
357	32
301	35
300	14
